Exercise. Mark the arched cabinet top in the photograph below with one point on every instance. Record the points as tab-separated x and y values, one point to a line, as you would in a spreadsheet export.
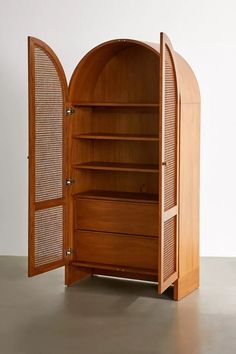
189	89
83	83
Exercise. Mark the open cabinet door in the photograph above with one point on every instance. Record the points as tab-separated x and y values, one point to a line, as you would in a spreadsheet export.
169	111
47	162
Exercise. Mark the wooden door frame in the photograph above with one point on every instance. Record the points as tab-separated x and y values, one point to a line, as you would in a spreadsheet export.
166	215
32	207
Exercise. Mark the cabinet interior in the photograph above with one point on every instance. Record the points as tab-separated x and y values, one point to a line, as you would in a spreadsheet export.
115	128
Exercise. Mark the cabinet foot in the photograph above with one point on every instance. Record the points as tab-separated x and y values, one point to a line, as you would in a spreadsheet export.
186	284
74	274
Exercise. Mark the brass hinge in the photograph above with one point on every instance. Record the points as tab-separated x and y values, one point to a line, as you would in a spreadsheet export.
69	181
69	252
69	111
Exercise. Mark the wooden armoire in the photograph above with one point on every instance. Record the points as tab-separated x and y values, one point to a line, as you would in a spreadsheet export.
114	165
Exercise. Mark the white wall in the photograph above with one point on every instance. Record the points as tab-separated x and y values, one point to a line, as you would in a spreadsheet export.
203	31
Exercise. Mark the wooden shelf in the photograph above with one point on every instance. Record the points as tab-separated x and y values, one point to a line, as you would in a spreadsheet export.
118	166
105	136
121	196
116	104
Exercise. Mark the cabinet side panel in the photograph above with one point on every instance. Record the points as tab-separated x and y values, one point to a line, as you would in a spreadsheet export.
189	200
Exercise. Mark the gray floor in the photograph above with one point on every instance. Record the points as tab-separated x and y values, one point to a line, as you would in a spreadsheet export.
111	316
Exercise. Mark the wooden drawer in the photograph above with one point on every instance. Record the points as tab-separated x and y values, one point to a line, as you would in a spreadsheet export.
114	249
116	216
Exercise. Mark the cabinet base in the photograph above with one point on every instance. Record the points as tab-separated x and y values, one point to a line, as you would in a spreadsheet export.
182	286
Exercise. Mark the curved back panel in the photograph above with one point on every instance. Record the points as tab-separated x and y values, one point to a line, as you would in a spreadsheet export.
129	68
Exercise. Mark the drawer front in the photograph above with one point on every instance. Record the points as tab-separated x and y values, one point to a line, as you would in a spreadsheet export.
115	216
113	249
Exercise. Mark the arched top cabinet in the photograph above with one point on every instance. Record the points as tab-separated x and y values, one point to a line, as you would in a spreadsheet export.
114	164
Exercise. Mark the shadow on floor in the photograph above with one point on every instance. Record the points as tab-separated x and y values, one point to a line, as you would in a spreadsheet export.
119	286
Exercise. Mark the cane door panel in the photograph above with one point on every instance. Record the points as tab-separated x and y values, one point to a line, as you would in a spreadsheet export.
168	241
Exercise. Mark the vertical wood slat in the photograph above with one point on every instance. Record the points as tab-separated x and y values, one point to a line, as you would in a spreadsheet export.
47	168
168	248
